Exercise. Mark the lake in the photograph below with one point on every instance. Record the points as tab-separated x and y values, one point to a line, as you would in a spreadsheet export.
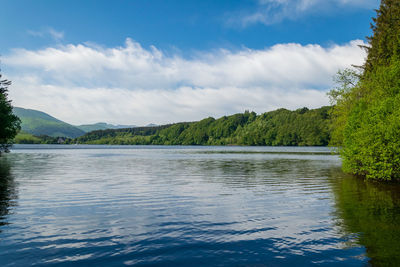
192	206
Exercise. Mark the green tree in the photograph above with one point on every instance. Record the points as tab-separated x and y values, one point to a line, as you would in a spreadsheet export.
9	123
366	116
385	41
341	97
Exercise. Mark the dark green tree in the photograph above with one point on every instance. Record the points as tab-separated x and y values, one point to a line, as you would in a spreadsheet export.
9	123
385	41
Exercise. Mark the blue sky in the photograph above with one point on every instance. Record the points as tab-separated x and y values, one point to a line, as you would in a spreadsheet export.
151	61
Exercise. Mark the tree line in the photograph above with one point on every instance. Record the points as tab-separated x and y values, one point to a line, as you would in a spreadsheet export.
282	127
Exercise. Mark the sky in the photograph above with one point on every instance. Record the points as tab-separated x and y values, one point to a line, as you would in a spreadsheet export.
163	61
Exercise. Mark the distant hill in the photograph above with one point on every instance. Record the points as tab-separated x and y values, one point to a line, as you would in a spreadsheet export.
39	123
102	126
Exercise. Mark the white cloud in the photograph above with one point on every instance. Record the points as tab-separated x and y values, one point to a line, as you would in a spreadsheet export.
57	35
47	32
274	11
133	85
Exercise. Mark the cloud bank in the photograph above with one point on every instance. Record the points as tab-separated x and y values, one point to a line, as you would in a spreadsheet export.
130	84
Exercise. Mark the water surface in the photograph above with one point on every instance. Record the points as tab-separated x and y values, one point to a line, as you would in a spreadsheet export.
197	206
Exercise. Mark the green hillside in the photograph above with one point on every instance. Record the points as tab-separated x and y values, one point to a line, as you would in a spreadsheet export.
102	126
39	123
27	138
302	127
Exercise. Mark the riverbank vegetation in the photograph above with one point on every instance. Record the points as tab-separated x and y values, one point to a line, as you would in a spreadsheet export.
366	115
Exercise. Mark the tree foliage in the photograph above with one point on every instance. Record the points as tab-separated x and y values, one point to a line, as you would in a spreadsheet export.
385	41
9	123
342	99
366	117
277	128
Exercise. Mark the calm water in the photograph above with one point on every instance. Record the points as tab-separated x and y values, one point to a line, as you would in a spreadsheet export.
192	206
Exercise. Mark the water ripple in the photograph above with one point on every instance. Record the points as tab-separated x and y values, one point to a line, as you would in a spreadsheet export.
179	206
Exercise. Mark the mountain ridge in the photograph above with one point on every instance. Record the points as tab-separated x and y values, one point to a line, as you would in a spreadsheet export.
102	126
39	123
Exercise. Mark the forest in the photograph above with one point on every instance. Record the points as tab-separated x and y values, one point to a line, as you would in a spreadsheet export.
302	127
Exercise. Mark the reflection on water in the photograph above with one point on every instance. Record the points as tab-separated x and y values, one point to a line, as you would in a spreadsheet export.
112	206
371	211
8	193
